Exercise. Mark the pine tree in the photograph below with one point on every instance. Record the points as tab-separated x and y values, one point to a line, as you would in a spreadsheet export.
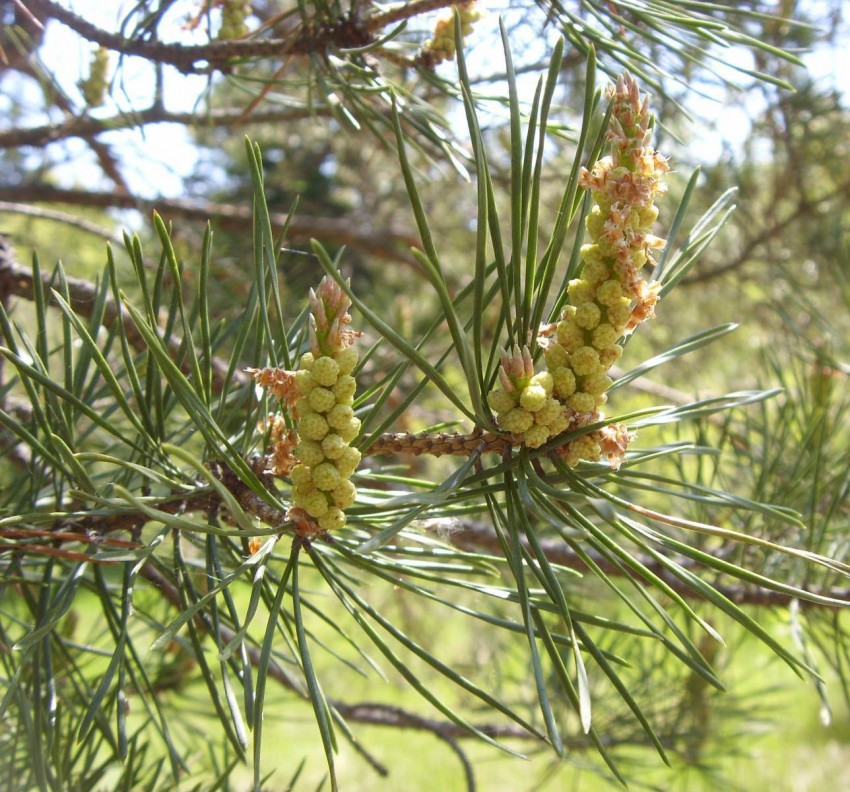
469	522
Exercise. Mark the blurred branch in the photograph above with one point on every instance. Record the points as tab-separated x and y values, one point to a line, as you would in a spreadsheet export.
371	713
473	536
17	280
391	245
657	389
805	208
54	93
87	126
389	715
59	217
20	35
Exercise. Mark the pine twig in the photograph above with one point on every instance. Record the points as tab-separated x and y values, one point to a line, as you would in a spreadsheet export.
438	444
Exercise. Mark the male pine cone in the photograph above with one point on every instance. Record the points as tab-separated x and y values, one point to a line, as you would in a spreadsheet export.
606	302
317	457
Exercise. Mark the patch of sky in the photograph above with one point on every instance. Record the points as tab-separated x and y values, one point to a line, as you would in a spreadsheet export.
158	158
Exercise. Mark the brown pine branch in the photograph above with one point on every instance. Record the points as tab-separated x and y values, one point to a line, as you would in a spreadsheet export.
94	529
218	55
391	245
316	38
472	536
407	11
88	126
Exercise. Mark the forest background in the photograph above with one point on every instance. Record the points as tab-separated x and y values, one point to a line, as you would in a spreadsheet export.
82	161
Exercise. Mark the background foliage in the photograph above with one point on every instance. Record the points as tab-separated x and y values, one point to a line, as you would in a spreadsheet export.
163	624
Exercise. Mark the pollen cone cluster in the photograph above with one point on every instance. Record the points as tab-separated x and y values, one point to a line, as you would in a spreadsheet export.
94	86
233	16
611	296
317	456
524	403
326	423
441	47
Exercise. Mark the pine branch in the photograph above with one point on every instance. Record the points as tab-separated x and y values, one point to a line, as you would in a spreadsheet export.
58	217
94	529
472	536
88	126
216	56
407	11
118	439
390	245
347	32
